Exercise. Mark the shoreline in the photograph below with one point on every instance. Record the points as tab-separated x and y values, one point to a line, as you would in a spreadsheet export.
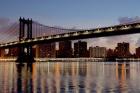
76	60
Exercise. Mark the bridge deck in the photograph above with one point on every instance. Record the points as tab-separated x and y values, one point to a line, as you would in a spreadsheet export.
81	34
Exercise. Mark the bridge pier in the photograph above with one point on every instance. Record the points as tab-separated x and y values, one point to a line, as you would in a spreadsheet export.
21	55
28	55
25	56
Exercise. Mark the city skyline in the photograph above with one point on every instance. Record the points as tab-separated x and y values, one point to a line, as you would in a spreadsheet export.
78	49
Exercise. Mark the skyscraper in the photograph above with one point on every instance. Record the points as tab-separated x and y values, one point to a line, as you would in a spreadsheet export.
80	49
46	50
110	53
122	50
65	49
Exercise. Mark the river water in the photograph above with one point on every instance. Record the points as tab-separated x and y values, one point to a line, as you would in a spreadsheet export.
70	77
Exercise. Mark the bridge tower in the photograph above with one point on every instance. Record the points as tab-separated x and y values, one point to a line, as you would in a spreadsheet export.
25	33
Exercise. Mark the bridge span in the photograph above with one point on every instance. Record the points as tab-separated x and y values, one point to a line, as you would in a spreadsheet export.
79	34
28	36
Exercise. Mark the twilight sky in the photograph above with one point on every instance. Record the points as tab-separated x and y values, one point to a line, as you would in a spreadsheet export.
75	13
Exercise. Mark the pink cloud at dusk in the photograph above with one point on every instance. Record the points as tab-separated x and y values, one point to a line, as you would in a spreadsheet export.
126	20
7	30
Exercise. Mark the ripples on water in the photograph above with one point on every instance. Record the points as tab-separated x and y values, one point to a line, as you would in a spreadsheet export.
75	77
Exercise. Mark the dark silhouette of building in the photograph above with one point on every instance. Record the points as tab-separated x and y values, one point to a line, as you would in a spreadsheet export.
46	50
65	49
57	53
13	52
80	49
138	52
110	53
122	50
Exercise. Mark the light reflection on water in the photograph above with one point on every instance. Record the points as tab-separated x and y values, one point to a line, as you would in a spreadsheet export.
75	77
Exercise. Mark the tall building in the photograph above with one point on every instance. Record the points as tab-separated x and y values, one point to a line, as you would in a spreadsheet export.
46	50
80	49
65	49
51	50
110	53
98	52
138	52
122	50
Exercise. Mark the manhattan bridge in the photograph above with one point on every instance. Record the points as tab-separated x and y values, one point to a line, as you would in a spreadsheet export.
25	33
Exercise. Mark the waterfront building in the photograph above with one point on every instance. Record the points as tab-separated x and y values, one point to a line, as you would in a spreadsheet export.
3	53
138	52
65	49
46	50
122	50
80	49
110	53
98	52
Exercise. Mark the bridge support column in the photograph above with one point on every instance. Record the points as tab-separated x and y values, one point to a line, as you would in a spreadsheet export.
25	56
21	55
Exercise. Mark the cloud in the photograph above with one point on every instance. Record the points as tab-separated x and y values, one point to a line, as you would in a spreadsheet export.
138	42
116	39
7	28
4	22
127	20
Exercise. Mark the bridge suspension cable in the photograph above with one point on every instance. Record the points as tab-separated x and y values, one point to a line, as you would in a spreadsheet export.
40	30
10	33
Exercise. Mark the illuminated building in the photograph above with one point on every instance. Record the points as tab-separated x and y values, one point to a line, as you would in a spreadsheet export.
46	50
97	52
2	53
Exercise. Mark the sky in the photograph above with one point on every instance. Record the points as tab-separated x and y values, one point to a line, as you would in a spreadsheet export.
83	14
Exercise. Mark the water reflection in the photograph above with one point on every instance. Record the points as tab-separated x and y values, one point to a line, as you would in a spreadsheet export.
24	78
122	75
75	77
